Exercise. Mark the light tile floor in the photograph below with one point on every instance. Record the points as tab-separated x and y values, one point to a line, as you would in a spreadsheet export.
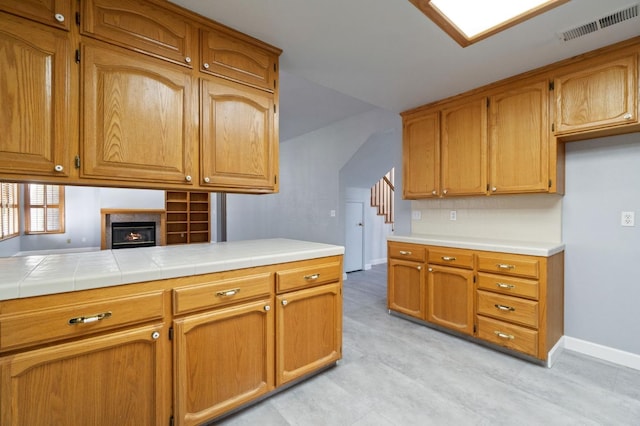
395	372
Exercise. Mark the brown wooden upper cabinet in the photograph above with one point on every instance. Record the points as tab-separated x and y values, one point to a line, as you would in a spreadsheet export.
519	138
421	155
230	57
141	26
56	13
136	118
35	116
597	96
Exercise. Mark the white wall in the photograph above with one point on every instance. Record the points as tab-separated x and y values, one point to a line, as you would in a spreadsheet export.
310	185
602	285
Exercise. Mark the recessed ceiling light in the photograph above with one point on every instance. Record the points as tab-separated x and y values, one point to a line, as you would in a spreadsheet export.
468	21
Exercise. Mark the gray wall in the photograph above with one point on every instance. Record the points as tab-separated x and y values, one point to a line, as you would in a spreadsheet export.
602	286
310	183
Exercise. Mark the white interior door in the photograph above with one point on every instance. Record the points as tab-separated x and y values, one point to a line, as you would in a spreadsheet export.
354	239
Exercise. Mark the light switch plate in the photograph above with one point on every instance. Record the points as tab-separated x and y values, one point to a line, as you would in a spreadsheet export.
453	215
628	219
416	214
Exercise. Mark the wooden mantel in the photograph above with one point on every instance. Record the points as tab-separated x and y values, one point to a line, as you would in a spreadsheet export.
106	212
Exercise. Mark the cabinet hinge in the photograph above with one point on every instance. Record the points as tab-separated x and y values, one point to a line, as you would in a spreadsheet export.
487	187
275	179
474	279
170	334
77	162
275	67
551	85
550	183
487	102
171	421
77	56
275	111
474	328
78	18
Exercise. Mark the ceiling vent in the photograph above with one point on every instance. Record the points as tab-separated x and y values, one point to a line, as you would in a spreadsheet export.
599	24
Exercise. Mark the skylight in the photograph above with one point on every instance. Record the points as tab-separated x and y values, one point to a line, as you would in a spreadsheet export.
468	21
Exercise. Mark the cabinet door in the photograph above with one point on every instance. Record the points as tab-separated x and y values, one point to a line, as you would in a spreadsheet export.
35	84
142	26
406	292
223	359
137	118
450	298
226	55
56	13
239	146
309	329
464	149
119	378
519	139
421	155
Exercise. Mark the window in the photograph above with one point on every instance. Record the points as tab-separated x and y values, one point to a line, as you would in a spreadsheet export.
43	209
9	212
469	21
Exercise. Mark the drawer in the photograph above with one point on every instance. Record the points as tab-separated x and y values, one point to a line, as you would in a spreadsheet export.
510	264
47	325
407	251
508	285
213	293
451	257
508	308
309	274
508	335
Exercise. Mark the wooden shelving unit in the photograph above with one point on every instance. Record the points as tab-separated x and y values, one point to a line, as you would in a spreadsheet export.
188	217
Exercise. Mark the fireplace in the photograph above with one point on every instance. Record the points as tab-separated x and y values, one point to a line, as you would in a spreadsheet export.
133	234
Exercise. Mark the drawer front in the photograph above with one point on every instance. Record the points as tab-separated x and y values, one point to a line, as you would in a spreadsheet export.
407	251
508	335
508	285
212	293
451	257
508	308
309	274
513	264
80	319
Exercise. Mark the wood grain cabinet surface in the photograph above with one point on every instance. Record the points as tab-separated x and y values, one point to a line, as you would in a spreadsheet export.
55	13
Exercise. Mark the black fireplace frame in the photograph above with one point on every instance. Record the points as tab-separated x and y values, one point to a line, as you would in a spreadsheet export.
146	238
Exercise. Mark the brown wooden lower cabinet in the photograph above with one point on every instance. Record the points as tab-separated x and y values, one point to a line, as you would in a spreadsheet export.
92	359
509	300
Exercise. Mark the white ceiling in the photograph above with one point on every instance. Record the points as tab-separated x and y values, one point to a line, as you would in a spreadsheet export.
344	57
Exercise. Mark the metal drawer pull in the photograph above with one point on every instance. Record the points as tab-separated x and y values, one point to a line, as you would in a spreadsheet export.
504	335
92	318
505	266
228	293
505	308
312	277
448	258
503	285
405	253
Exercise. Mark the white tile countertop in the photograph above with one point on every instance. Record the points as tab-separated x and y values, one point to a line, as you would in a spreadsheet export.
503	246
26	276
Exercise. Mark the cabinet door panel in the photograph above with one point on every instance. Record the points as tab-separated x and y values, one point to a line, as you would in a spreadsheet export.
421	156
34	89
141	26
56	13
238	146
407	288
519	139
137	123
598	96
223	358
451	298
120	378
464	149
309	331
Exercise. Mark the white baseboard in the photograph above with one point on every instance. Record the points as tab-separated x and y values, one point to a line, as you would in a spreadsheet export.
605	353
379	261
555	352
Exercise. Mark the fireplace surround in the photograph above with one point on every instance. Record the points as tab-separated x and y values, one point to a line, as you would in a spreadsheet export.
110	216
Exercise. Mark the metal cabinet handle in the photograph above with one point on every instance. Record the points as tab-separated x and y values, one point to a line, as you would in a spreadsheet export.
89	319
187	178
284	302
505	336
207	179
58	168
494	189
505	266
228	293
505	308
627	116
405	253
445	191
505	285
59	17
205	66
312	277
267	308
419	268
434	192
155	335
448	258
430	269
187	59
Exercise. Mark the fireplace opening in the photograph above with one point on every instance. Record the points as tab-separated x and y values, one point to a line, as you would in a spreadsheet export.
133	234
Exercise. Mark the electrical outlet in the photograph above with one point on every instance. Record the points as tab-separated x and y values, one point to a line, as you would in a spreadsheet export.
416	214
628	219
453	215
